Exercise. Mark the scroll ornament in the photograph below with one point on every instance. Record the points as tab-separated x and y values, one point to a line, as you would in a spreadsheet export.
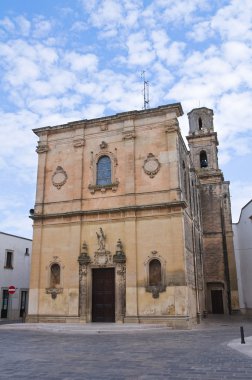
59	177
151	165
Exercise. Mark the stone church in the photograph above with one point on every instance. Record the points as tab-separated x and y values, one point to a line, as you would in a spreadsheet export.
130	225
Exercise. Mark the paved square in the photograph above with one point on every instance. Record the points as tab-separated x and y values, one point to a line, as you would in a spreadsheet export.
87	352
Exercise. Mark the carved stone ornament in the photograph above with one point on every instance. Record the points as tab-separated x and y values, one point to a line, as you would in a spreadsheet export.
151	165
54	292
42	147
84	259
129	135
103	188
119	256
59	177
104	127
103	145
102	257
78	143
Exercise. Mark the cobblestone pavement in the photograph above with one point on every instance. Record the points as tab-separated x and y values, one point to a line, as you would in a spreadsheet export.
92	352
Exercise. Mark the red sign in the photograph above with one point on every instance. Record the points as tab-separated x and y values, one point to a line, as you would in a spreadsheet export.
11	289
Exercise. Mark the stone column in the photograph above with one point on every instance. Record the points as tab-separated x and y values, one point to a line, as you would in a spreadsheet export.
84	260
120	279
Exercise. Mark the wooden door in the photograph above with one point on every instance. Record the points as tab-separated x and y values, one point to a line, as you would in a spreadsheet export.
217	302
103	295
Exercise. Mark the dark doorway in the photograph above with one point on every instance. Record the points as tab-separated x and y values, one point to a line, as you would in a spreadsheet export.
217	302
23	303
5	302
103	295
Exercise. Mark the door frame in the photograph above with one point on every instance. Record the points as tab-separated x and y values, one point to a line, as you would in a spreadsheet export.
216	286
113	296
85	292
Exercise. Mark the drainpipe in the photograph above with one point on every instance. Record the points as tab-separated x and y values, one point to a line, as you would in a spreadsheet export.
195	274
225	256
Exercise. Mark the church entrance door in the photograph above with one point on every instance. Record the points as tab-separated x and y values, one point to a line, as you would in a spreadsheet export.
103	295
217	302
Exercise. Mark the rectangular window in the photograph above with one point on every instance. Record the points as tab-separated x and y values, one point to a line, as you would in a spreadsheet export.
9	260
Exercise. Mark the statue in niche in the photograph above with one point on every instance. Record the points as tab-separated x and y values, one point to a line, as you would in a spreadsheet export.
55	275
101	240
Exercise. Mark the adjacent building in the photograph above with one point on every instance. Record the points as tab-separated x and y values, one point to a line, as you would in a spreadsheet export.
243	254
15	260
130	226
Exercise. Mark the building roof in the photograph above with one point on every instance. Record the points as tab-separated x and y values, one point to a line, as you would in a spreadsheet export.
119	116
246	205
19	237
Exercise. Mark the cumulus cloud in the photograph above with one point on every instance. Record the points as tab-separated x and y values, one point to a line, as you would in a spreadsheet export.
194	51
82	62
140	50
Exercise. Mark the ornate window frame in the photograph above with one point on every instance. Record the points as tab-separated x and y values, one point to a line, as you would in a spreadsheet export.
93	187
155	290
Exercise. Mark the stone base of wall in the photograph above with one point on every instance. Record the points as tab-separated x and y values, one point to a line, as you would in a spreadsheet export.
52	319
246	312
175	322
172	322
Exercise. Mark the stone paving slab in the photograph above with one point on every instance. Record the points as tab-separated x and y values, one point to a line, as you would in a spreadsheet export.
243	348
151	353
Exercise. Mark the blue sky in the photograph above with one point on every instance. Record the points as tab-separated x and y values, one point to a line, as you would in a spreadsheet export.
66	60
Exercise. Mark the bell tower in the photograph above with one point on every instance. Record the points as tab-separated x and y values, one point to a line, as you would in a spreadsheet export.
219	261
203	142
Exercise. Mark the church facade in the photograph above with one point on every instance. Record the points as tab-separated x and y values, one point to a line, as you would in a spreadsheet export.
130	226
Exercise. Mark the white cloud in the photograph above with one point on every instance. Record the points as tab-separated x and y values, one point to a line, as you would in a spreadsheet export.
24	25
201	31
82	62
79	26
22	71
7	24
42	27
140	50
236	52
17	222
183	10
60	75
233	21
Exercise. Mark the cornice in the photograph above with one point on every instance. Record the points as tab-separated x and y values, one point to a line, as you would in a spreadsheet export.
181	204
119	117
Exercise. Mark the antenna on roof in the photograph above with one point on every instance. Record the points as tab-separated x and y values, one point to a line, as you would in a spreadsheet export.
145	91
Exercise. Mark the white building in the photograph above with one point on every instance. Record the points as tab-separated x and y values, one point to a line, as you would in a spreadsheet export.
243	254
15	259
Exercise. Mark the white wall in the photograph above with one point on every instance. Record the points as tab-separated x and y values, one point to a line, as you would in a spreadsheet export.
243	254
19	276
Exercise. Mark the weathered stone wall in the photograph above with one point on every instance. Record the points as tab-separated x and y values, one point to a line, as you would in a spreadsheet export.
143	207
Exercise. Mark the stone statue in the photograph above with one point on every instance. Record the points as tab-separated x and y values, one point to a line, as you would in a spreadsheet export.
101	240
